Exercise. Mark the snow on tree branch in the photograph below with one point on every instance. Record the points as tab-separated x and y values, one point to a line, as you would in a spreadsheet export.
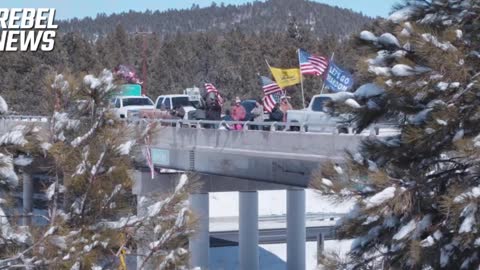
7	173
417	191
3	106
87	160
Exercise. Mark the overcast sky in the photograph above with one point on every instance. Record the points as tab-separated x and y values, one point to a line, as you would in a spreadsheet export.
74	8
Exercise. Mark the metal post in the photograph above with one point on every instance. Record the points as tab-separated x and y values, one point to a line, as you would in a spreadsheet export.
296	231
199	243
323	84
144	67
301	78
27	198
248	230
320	247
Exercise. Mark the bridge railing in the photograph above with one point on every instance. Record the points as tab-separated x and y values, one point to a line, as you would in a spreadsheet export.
25	118
302	127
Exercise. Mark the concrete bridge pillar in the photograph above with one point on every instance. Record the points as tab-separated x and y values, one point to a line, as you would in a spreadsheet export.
142	234
27	198
199	243
248	230
296	230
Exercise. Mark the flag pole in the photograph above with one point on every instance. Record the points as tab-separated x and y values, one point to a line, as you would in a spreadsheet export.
323	85
301	78
266	61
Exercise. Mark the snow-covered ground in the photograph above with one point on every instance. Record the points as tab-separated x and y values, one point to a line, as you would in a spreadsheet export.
274	202
222	224
272	210
321	210
274	256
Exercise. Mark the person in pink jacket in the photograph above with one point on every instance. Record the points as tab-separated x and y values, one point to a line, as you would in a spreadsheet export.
238	113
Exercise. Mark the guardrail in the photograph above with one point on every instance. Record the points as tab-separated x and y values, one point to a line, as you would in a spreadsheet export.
301	127
245	125
265	126
25	118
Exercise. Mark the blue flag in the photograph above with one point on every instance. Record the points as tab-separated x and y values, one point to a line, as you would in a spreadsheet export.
338	80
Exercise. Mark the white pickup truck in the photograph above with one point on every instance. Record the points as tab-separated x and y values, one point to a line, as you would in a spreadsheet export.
318	117
129	106
164	104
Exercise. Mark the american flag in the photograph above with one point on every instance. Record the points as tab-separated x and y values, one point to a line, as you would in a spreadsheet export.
269	87
212	89
269	101
272	92
311	64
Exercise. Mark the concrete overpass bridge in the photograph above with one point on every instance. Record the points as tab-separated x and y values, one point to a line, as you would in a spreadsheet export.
245	161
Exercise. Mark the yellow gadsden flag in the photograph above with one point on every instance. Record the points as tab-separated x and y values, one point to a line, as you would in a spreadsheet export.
286	77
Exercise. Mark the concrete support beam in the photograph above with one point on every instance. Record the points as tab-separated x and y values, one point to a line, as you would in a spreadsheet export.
199	243
296	230
142	235
320	247
248	230
27	198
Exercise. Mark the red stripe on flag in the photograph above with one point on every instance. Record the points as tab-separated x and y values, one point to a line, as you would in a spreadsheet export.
315	66
211	88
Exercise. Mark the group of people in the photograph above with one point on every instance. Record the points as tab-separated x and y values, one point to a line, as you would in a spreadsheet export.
212	104
238	112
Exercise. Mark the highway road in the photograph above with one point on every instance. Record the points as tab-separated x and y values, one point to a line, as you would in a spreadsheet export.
269	236
272	229
222	224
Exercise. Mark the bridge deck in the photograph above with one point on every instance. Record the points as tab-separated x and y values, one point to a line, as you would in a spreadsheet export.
281	157
287	158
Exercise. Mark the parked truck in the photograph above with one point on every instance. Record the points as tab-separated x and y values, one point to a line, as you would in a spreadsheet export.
318	116
166	104
130	106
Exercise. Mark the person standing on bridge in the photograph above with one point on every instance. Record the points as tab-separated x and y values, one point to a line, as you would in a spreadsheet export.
257	113
285	106
277	114
238	113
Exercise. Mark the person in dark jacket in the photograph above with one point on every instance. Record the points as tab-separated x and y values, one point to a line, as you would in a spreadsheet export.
213	111
227	117
277	114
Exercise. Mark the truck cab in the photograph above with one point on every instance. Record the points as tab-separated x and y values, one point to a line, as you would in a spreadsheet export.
129	106
319	116
167	103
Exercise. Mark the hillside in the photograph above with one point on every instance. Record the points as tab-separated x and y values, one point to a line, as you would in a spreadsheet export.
188	49
269	16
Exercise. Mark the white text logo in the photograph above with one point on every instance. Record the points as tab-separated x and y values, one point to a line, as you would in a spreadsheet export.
27	29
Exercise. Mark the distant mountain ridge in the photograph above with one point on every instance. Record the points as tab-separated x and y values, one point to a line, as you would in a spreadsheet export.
224	45
269	16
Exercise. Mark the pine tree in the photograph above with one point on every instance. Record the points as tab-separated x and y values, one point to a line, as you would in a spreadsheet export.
92	214
418	192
